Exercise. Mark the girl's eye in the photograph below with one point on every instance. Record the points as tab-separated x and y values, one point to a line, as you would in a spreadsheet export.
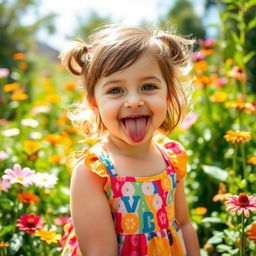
148	87
114	91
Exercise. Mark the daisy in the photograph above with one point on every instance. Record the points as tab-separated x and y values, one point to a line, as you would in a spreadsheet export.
30	223
18	175
3	155
241	204
238	136
11	132
45	180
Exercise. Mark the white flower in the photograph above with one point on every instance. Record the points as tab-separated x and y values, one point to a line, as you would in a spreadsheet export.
45	180
36	135
11	132
39	109
29	122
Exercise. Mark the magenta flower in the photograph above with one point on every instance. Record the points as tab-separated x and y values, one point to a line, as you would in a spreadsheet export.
4	72
241	204
18	175
30	223
4	185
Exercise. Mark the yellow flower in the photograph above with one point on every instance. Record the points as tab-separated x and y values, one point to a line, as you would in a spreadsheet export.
4	244
11	87
53	98
237	104
32	145
54	139
219	96
49	236
252	160
201	210
19	96
57	158
238	136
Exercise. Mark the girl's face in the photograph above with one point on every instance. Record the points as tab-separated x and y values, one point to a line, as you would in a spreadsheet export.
132	103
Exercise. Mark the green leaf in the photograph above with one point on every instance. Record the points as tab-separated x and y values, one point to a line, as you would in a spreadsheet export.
215	172
15	244
250	4
252	23
248	56
211	220
215	240
6	203
6	230
235	37
223	248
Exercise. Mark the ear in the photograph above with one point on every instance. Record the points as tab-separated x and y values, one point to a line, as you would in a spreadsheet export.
93	104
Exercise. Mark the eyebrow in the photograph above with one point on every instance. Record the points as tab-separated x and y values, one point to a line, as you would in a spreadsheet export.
116	81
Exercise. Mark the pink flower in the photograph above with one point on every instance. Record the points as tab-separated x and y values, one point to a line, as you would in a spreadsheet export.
18	175
241	204
4	185
4	72
197	56
30	223
62	220
188	121
3	155
221	81
174	146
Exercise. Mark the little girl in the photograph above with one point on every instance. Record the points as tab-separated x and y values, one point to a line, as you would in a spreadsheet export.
127	194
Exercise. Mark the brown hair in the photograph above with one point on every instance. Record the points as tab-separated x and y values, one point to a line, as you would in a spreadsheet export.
114	48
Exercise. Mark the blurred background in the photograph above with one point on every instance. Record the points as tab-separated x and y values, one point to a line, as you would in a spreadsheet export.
36	135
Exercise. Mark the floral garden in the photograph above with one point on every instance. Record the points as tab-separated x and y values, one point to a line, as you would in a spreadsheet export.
218	134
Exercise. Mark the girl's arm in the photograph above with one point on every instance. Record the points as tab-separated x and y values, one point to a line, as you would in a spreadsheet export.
91	214
182	215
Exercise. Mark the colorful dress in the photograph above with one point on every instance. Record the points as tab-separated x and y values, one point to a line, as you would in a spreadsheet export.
142	207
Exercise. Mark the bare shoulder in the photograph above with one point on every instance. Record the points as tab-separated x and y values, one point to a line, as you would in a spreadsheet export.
90	212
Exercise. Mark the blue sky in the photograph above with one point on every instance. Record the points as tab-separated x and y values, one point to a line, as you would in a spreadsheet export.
128	12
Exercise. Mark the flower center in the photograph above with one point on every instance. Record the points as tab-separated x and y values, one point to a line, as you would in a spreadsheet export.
31	220
20	178
243	200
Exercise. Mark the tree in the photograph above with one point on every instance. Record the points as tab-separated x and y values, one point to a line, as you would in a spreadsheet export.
16	37
183	17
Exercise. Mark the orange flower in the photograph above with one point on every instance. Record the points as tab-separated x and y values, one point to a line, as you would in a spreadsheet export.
229	62
222	193
28	197
203	81
219	96
48	85
62	120
70	86
23	65
251	233
201	65
32	145
238	136
19	95
252	160
200	210
4	244
53	98
54	139
11	87
18	56
237	104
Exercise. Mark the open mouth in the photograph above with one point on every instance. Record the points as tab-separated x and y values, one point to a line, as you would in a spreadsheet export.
136	126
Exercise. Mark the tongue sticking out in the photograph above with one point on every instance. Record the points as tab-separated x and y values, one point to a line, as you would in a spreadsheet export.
136	128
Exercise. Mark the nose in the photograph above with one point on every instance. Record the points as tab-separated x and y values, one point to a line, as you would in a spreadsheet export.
133	101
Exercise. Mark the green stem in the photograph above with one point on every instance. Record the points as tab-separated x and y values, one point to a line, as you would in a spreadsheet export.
243	161
235	158
242	237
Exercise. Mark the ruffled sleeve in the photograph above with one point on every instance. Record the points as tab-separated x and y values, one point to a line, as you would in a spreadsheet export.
177	154
92	161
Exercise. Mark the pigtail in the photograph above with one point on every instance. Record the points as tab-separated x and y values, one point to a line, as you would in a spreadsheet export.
179	48
76	58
